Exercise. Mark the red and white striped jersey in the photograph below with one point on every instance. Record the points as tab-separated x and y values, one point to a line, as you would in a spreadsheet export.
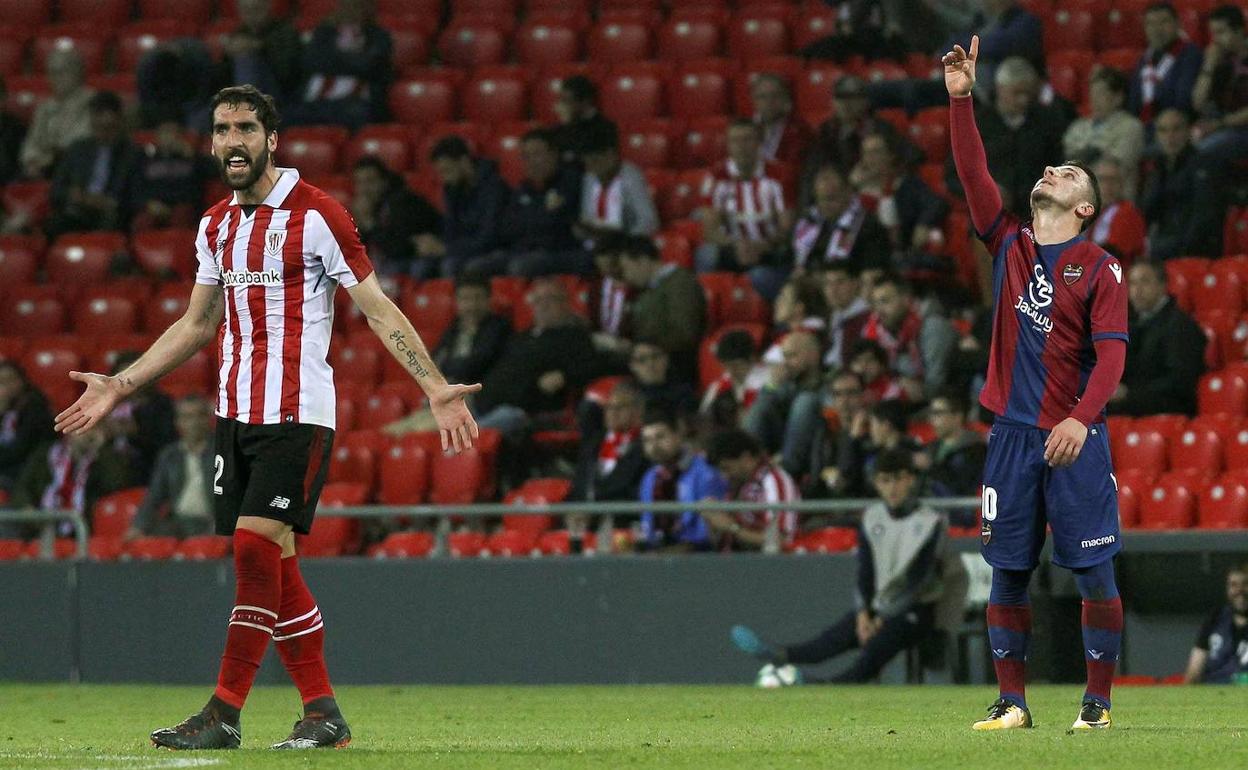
770	484
279	268
751	207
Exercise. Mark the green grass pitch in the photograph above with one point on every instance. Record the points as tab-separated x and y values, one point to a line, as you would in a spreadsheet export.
61	726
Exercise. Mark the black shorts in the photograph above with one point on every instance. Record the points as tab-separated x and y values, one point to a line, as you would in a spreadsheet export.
272	471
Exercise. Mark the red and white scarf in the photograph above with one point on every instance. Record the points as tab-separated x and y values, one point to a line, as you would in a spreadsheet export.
69	479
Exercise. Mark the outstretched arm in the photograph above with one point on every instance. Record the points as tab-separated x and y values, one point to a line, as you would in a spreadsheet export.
446	402
968	149
197	326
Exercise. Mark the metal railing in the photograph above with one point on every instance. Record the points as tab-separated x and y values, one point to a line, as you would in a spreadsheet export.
50	519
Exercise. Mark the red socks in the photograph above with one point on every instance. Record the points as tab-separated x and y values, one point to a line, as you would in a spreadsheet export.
1009	635
1102	641
258	591
300	635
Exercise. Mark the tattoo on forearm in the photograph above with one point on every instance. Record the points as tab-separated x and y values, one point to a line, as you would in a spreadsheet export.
210	310
413	358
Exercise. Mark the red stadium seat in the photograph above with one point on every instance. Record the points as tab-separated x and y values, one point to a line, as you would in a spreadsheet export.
1196	449
466	544
12	550
1072	30
730	299
686	39
466	44
20	256
330	536
1143	450
166	306
431	309
512	542
32	310
630	94
391	143
505	148
1235	450
1170	505
1168	425
105	548
50	362
477	136
558	543
825	540
540	43
165	253
697	92
203	548
815	22
494	99
356	363
83	258
13	44
185	11
544	87
1222	393
813	93
408	545
1123	25
27	200
136	40
409	37
151	548
353	462
1235	230
703	144
648	143
1068	71
929	131
403	472
423	98
1121	59
1220	289
1128	504
619	42
754	33
100	315
674	248
88	39
378	411
25	92
195	376
313	149
113	513
1224	505
457	479
1182	275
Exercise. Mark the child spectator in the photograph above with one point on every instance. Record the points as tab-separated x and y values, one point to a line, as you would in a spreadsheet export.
751	477
728	398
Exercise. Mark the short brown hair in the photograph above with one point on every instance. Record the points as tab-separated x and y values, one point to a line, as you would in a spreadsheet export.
249	95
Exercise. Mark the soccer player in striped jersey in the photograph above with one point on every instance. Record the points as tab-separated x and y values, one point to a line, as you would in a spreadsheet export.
270	258
1059	340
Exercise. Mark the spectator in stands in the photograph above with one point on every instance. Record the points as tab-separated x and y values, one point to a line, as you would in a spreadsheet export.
745	233
178	502
610	461
12	136
863	29
669	308
538	221
474	195
1021	136
728	398
1166	73
391	218
577	110
143	424
954	462
901	546
614	194
784	135
474	341
848	311
838	228
1006	30
1109	131
96	183
678	474
1221	94
263	50
173	81
886	430
171	181
838	141
912	214
919	345
25	422
72	472
786	414
800	305
832	470
610	301
540	370
1178	224
1166	352
1119	226
751	477
1220	654
869	360
347	69
62	118
650	365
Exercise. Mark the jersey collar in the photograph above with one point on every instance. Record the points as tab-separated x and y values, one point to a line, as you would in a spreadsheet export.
287	178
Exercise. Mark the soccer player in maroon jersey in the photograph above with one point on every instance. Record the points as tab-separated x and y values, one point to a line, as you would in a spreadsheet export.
1058	345
269	260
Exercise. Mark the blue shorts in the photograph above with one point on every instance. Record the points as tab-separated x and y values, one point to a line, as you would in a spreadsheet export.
1022	494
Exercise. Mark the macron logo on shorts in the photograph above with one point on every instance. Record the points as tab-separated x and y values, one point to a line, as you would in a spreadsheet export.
283	503
1093	543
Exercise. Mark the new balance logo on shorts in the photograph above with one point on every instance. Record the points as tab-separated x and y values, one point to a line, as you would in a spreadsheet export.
1106	540
283	503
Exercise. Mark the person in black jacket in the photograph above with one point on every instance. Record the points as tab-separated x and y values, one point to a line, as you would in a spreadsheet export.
143	424
476	338
610	462
25	422
954	462
1179	221
1166	351
95	184
475	195
179	497
262	50
347	69
390	217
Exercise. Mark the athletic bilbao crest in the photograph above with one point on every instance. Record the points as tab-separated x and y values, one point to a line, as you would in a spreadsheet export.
274	240
1072	273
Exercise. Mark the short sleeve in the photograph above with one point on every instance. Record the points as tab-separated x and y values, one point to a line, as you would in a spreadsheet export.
340	247
1206	628
1109	302
206	272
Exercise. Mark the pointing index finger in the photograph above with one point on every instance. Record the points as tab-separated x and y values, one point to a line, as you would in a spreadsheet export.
974	47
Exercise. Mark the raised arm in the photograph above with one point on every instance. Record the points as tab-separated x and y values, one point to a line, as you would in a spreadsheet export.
446	402
968	149
197	326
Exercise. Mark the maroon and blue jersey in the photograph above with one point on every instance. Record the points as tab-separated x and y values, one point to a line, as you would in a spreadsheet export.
1050	305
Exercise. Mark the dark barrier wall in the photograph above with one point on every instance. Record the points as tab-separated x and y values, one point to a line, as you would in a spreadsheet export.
592	620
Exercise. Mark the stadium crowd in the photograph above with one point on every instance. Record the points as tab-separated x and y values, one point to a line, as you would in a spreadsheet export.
809	300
